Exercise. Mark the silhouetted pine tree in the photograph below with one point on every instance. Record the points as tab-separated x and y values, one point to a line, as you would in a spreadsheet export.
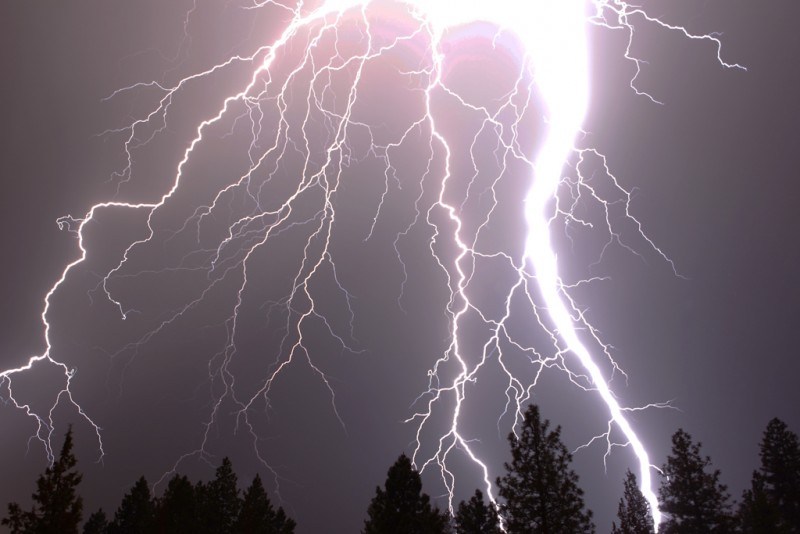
772	504
282	524
477	517
17	521
136	512
693	498
97	523
219	500
402	507
257	516
177	510
540	490
57	508
757	513
634	510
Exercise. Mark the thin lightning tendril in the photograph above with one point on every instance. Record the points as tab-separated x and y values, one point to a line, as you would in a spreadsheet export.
554	67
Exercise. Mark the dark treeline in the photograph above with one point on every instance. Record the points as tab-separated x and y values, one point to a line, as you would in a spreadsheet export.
539	493
216	507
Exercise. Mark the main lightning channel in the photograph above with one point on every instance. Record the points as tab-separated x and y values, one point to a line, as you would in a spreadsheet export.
563	79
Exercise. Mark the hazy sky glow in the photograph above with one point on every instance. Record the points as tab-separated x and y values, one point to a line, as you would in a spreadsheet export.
348	259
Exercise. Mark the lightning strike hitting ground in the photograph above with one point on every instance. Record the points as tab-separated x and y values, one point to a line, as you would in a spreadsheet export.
302	111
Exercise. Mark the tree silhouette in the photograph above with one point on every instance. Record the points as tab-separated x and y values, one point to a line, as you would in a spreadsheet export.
634	510
219	500
476	517
772	504
57	508
691	496
540	490
97	523
136	512
757	512
257	516
177	510
402	507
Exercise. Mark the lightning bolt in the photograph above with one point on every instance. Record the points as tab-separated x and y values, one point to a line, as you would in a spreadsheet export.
305	86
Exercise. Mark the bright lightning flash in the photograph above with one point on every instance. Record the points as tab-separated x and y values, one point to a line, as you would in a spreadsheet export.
554	67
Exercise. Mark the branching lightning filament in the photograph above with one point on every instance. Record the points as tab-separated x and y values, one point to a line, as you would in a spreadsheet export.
308	124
